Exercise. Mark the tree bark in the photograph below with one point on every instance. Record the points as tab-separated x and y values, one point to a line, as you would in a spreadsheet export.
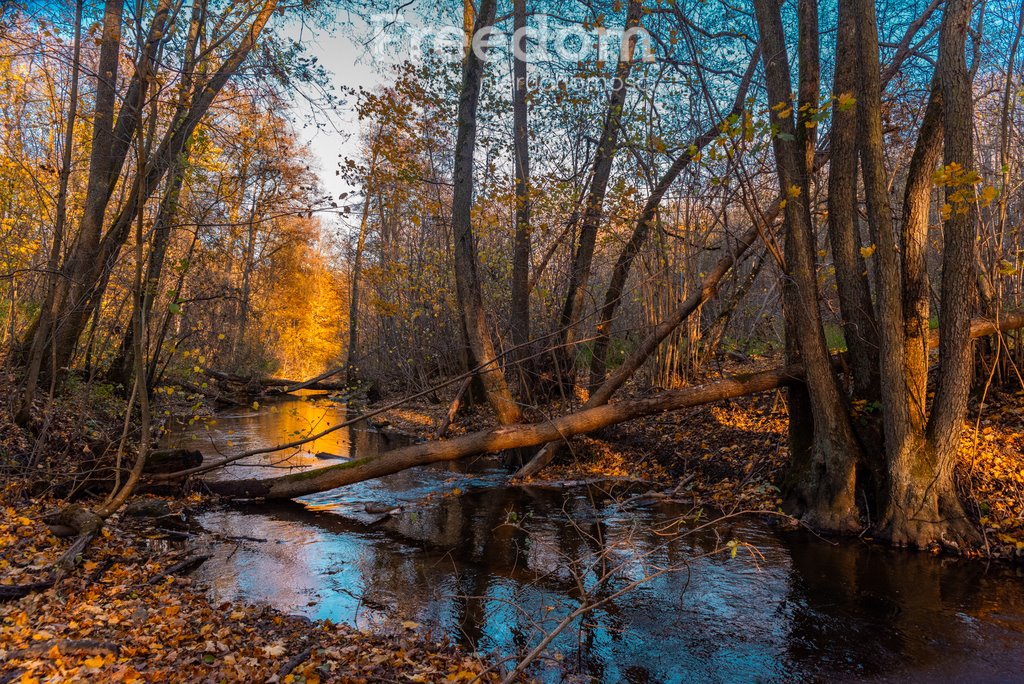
916	206
895	394
579	276
466	266
520	295
923	507
825	498
855	304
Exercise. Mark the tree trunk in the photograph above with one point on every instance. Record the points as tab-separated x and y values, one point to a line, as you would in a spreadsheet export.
604	156
825	498
855	305
520	295
466	267
44	333
916	206
895	394
923	505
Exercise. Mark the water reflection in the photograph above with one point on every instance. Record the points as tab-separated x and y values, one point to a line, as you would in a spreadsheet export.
493	567
277	422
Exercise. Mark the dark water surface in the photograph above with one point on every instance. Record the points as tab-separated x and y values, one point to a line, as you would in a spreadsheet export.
493	567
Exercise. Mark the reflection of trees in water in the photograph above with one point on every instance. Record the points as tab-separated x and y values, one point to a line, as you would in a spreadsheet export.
277	420
283	571
462	563
885	610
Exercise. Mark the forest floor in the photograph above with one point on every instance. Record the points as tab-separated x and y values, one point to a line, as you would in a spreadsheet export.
732	455
118	617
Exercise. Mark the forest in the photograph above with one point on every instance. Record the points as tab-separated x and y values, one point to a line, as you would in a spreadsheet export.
531	340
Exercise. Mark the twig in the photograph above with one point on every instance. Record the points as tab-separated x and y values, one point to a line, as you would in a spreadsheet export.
295	661
182	567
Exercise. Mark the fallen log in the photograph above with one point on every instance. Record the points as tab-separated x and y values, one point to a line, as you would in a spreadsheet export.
282	385
171	460
501	438
556	429
980	327
12	592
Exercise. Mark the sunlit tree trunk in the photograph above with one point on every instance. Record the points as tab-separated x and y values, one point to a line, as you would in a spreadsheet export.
889	291
923	505
855	304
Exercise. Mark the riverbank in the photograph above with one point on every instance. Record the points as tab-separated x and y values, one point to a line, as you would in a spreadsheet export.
130	613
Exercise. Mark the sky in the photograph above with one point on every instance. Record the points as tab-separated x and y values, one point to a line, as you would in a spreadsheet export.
349	64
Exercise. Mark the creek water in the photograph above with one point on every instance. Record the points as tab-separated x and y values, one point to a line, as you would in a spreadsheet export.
495	568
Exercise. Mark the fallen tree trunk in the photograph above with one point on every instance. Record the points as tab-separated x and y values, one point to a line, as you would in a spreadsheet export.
517	436
501	438
284	385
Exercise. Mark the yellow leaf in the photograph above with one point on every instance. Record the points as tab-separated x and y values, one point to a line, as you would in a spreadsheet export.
867	251
94	661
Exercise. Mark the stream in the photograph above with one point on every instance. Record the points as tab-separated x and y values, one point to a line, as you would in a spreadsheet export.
494	568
